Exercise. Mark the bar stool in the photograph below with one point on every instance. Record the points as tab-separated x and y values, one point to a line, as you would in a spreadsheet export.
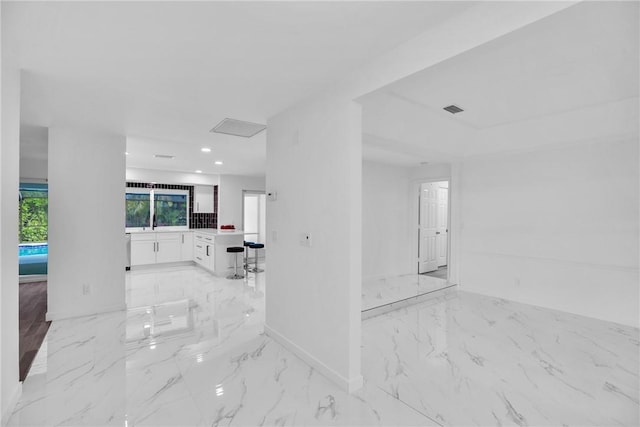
235	250
256	246
246	254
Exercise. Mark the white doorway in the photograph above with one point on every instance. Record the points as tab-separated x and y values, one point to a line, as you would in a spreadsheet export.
254	209
433	226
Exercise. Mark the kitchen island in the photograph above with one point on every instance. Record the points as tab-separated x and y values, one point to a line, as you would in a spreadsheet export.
210	249
207	247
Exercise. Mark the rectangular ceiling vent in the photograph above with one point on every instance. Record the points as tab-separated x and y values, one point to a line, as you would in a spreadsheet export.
238	128
453	109
163	156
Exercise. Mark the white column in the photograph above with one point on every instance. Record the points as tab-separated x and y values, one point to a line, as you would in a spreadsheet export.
314	164
9	182
86	223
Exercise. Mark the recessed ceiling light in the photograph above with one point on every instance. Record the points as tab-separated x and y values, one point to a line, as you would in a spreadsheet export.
198	171
218	162
238	128
126	153
453	109
163	156
205	149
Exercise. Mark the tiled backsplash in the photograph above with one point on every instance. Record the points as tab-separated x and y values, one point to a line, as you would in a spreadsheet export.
196	220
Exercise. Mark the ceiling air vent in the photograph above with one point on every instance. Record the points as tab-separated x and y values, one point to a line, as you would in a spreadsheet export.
238	128
453	109
163	156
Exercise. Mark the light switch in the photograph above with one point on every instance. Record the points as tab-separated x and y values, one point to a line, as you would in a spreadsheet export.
305	240
272	196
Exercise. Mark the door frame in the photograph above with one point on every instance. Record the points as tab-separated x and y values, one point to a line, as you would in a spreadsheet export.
416	225
257	193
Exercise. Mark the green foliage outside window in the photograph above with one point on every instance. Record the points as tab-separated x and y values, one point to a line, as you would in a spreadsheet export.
33	215
138	210
171	210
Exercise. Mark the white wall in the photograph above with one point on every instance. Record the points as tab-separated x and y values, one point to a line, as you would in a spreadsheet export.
389	217
314	163
9	160
388	221
555	228
170	177
86	223
230	197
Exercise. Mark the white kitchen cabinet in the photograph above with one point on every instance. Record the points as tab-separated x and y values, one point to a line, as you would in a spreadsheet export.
186	251
204	250
143	248
168	247
161	247
203	199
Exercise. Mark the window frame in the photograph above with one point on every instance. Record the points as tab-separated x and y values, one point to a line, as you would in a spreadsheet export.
152	208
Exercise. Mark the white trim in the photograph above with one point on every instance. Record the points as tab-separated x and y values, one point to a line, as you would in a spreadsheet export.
349	385
11	405
30	278
78	313
451	261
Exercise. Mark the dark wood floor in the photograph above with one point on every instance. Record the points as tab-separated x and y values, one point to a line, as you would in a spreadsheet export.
440	273
33	326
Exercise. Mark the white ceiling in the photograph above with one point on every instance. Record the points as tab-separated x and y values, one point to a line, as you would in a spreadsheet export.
164	73
569	77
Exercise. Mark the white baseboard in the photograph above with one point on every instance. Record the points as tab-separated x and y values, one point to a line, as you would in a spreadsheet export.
72	314
11	406
349	385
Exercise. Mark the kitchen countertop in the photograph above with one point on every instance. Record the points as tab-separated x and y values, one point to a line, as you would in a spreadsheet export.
213	231
217	232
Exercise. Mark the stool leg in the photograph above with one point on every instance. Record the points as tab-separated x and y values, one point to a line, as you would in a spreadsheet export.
235	274
256	269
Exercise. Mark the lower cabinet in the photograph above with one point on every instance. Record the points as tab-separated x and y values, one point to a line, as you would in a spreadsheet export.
204	250
155	248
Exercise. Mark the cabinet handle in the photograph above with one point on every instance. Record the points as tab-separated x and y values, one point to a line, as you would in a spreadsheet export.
183	239
199	258
198	206
207	250
154	246
158	246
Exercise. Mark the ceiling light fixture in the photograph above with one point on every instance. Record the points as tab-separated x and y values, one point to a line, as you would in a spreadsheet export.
238	128
163	156
205	149
453	109
218	162
126	153
198	171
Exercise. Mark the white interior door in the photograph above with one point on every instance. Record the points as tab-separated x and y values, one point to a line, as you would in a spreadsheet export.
442	222
428	227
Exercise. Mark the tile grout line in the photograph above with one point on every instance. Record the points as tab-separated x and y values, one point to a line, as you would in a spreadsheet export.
409	406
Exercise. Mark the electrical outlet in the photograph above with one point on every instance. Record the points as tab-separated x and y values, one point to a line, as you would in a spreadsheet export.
86	289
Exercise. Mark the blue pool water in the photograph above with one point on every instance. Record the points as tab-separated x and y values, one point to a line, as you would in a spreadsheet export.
32	258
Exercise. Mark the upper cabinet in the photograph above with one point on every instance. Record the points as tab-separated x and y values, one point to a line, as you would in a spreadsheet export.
203	199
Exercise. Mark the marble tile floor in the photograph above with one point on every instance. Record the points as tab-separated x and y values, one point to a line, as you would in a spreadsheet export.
190	350
477	360
387	290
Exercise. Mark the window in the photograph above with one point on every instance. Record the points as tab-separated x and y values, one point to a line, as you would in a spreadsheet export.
33	213
138	207
157	208
171	209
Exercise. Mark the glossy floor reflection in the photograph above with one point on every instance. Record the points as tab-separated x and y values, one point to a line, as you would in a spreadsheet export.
190	351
